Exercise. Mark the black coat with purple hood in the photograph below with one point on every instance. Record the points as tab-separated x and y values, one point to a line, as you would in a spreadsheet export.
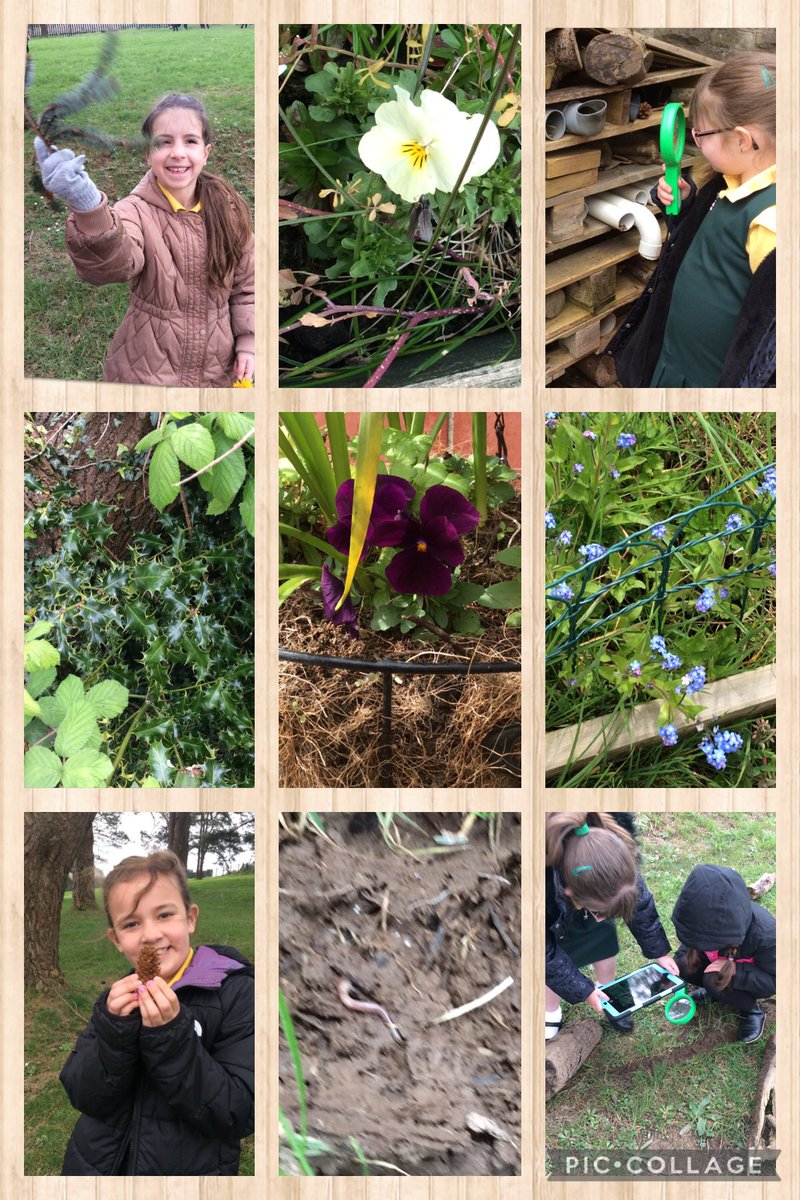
173	1099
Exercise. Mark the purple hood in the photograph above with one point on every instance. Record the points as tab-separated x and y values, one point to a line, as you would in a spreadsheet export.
208	969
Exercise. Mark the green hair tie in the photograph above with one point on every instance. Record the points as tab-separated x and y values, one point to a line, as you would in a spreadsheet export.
580	870
583	829
768	78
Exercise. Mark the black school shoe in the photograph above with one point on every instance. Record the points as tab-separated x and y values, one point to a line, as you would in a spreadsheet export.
621	1024
751	1025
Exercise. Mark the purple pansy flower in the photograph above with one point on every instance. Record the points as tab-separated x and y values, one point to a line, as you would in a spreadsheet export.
332	588
392	495
430	547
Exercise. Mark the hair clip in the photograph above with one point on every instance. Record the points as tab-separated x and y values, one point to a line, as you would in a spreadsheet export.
768	78
580	870
584	828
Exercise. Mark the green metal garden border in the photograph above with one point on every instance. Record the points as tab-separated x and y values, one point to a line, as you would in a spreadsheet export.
582	574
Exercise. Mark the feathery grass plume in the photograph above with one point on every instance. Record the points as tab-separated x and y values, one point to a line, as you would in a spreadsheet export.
148	964
52	123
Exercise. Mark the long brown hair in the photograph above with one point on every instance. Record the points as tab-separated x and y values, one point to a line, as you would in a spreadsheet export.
161	862
739	92
225	213
725	976
600	867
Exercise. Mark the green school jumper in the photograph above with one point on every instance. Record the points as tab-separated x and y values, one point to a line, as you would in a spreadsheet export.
708	294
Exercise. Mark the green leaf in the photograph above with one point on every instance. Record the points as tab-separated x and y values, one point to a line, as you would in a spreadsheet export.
291	585
39	681
511	556
68	692
226	479
507	594
236	425
40	629
78	727
466	622
193	445
108	699
247	507
149	782
165	473
159	762
39	655
138	621
51	712
150	576
87	769
42	768
31	708
150	439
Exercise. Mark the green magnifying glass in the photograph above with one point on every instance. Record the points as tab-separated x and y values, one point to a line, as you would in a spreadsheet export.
672	139
680	1008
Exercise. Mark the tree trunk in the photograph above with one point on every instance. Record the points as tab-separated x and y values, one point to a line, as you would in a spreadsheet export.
202	830
90	463
83	898
178	834
51	843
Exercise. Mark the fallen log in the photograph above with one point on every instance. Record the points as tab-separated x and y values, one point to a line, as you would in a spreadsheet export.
613	58
567	1053
761	886
761	1130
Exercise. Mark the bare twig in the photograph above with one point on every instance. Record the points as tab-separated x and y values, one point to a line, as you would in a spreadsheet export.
208	466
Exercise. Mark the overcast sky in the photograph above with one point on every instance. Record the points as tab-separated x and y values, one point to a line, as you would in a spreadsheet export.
139	827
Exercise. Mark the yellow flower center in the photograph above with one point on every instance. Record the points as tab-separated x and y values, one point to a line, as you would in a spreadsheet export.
422	547
417	153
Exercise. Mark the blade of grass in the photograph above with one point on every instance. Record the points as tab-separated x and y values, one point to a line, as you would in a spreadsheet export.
337	440
479	462
368	455
287	1025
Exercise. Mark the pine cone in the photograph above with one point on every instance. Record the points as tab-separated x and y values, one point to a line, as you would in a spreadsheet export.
148	963
645	109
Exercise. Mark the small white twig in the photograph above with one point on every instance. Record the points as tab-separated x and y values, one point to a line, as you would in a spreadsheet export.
465	1008
208	466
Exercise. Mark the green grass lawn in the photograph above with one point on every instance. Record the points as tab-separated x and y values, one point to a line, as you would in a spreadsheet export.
69	324
604	1107
90	964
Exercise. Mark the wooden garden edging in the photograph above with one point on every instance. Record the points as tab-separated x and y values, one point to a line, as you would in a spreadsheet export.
747	694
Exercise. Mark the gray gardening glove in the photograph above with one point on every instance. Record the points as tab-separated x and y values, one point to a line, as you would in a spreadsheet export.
65	176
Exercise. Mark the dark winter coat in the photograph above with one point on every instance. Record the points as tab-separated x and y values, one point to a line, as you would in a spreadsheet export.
178	330
173	1099
714	911
561	974
636	346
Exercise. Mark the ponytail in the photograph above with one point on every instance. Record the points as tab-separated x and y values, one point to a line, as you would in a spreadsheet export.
597	860
725	976
226	217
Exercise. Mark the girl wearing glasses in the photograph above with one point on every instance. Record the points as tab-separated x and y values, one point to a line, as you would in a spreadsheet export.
592	877
707	315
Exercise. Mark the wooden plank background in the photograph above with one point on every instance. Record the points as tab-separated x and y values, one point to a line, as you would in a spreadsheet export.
18	394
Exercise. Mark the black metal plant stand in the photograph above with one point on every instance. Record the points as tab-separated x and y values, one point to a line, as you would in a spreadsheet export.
388	668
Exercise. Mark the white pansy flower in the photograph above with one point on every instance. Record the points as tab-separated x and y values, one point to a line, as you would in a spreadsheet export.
420	148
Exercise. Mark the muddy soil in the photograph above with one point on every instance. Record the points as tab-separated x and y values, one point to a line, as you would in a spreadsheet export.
418	935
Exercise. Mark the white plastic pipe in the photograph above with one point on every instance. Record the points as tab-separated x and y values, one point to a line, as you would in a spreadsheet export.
634	192
611	214
645	222
607	324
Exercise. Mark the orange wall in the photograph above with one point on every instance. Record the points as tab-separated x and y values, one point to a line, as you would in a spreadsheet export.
462	433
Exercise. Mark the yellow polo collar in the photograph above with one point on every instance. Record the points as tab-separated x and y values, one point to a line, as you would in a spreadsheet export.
190	955
176	204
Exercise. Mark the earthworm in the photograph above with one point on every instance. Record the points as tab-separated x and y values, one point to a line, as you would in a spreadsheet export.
366	1006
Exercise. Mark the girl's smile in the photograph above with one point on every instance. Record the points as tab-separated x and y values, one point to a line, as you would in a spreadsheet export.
177	152
157	918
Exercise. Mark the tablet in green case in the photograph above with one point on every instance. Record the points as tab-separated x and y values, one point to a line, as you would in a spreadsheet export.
639	989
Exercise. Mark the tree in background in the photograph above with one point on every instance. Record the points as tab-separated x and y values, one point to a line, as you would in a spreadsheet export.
52	840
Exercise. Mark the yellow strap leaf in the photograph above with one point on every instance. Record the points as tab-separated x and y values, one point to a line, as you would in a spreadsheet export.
370	434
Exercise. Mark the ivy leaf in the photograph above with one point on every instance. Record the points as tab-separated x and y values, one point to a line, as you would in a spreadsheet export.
108	698
193	445
78	727
236	425
42	768
247	507
87	769
164	475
